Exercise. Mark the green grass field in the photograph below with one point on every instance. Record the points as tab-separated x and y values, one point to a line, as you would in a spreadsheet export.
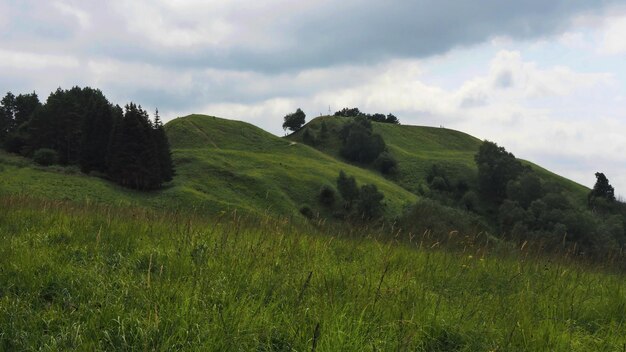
96	277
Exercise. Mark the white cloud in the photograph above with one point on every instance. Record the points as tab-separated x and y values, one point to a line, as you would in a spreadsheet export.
32	61
83	17
614	38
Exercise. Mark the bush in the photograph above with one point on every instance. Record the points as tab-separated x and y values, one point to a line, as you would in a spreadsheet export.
45	156
306	211
347	188
386	163
327	195
370	203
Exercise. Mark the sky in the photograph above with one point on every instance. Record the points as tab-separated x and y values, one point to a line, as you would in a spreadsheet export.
544	79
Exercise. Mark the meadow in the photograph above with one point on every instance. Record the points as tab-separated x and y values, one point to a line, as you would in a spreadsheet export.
85	276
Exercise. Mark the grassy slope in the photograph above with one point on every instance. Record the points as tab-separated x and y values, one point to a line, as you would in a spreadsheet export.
240	163
99	278
417	148
221	164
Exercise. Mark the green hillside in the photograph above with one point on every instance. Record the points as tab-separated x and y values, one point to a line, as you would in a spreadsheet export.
417	148
221	164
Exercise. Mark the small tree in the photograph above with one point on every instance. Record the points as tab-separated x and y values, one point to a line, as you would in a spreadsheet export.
386	163
327	195
602	189
294	121
391	118
496	167
369	204
347	188
308	138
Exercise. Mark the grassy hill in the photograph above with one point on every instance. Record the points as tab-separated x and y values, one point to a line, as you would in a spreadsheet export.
221	165
417	148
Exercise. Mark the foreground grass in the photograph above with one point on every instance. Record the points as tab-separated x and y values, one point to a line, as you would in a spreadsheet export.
102	278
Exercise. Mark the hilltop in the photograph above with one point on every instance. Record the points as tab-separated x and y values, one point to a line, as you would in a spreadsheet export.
418	148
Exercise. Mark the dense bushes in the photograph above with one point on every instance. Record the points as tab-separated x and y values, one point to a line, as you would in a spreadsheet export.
360	144
45	156
377	117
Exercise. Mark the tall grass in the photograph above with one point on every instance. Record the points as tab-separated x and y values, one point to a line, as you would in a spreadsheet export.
94	277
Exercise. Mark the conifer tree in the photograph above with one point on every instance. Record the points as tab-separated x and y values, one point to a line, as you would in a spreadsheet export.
96	132
133	160
163	149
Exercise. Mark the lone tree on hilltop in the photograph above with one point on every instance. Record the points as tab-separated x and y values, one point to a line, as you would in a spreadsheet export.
602	189
294	121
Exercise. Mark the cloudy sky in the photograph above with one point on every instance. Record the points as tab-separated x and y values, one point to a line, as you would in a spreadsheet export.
545	79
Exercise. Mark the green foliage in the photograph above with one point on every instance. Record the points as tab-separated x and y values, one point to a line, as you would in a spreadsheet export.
433	217
360	144
326	195
97	124
369	205
602	190
525	190
386	163
496	167
376	117
347	188
308	138
133	156
45	156
294	121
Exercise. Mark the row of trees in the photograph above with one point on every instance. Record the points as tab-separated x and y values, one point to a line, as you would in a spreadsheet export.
294	121
83	128
376	117
530	208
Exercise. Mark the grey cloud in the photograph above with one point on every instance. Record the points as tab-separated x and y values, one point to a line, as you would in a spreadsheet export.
316	36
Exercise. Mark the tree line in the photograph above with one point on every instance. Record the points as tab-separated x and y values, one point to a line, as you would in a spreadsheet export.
79	126
520	204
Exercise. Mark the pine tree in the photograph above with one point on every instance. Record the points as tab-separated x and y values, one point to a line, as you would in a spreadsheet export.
163	149
133	160
96	132
7	115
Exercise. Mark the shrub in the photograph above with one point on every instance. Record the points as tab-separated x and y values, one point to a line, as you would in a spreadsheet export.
369	204
306	211
347	188
327	195
45	156
386	163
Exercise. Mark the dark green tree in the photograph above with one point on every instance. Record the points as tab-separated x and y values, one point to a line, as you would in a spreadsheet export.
133	161
25	107
346	185
369	205
308	138
391	118
496	167
97	124
525	190
294	121
7	115
601	190
386	163
164	153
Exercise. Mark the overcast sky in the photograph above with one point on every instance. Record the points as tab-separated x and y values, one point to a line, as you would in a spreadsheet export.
545	79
